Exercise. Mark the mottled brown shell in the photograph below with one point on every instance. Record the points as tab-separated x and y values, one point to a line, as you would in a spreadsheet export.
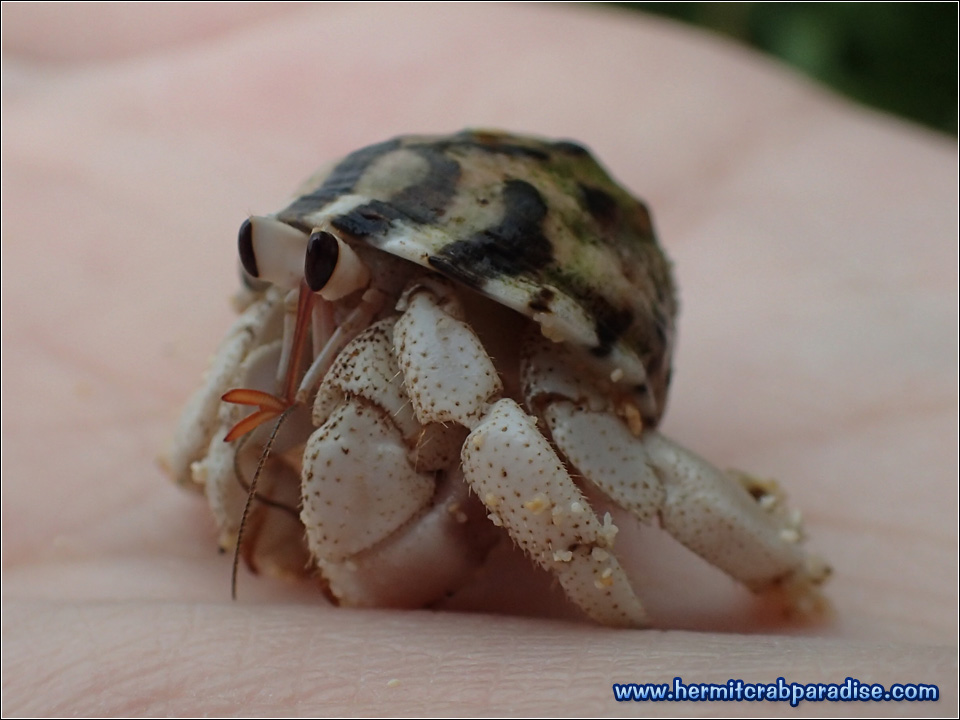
536	225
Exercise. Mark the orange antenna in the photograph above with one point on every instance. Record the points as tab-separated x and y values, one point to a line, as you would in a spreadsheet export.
271	406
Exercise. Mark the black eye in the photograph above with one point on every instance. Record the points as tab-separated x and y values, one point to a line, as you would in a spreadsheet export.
321	260
245	244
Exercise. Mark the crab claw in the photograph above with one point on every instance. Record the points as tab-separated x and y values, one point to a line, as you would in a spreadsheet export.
270	407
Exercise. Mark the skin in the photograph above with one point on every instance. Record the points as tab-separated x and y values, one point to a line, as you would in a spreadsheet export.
815	248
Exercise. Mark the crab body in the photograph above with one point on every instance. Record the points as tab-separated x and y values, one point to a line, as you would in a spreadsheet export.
454	327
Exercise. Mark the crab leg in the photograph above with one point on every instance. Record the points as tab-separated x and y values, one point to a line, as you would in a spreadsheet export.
739	525
290	306
200	419
370	304
323	325
437	351
523	483
506	460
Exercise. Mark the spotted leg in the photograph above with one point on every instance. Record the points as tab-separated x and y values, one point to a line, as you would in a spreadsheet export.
506	460
200	419
737	523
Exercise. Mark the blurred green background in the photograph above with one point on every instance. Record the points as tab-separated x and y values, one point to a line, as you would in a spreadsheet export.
899	57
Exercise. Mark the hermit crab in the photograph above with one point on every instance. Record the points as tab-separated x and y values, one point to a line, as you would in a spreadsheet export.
449	340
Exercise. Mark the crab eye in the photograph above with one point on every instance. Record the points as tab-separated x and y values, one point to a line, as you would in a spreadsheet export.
272	251
332	268
245	244
249	281
321	260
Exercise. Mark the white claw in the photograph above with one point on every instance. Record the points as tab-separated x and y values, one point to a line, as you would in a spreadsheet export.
358	486
372	511
368	370
445	544
436	352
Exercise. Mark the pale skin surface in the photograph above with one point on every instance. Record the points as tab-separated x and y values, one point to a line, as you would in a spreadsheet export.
816	250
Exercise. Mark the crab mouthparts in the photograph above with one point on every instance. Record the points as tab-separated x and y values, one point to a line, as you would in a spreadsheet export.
273	406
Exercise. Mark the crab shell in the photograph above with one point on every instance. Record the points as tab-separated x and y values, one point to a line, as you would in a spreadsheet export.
535	225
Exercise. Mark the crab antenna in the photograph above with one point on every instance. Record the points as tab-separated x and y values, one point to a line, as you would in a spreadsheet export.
251	494
269	502
304	313
270	406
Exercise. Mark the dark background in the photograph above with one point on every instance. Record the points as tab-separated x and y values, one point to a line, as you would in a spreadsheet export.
899	57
